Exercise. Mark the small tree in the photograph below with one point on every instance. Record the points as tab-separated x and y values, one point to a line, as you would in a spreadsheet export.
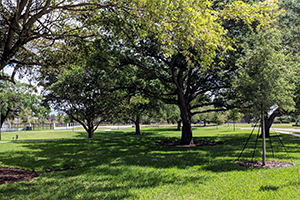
234	115
172	114
137	106
83	94
265	77
218	118
25	117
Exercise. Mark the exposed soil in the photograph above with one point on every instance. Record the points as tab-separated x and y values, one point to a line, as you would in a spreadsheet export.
269	164
8	175
196	143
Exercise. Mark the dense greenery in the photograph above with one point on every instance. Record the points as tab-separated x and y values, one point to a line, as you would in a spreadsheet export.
177	61
20	100
83	94
172	51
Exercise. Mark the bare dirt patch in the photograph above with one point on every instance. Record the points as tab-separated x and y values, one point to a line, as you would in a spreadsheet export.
196	143
8	175
269	164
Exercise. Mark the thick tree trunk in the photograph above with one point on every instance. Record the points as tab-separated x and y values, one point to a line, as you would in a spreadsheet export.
3	118
268	124
186	133
137	125
178	125
269	121
204	123
90	133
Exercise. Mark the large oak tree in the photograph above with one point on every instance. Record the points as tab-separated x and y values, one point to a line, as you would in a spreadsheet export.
180	71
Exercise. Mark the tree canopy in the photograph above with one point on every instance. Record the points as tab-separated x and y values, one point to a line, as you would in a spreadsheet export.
84	95
183	71
18	98
262	82
28	26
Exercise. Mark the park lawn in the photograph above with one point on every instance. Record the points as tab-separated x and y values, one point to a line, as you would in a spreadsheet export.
285	126
75	133
41	135
115	165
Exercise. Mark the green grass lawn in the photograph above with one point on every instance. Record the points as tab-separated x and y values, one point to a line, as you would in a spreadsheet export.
115	165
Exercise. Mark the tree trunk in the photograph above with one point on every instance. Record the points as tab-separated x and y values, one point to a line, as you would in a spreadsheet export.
186	133
178	125
204	124
137	125
3	118
90	133
268	125
269	121
264	138
234	126
0	123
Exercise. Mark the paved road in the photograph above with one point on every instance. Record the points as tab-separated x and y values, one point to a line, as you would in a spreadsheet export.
288	131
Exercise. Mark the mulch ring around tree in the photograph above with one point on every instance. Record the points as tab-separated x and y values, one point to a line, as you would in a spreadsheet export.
8	175
269	164
196	143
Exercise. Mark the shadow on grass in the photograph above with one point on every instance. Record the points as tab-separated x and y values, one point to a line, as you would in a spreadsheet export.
103	134
111	167
268	188
275	188
135	151
98	183
141	151
95	180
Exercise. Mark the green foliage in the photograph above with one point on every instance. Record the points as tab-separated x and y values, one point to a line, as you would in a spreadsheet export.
172	113
196	24
83	94
262	80
18	99
218	118
288	23
234	115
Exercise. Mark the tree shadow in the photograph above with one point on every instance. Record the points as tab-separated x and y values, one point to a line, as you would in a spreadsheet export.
275	188
106	181
268	188
141	151
129	151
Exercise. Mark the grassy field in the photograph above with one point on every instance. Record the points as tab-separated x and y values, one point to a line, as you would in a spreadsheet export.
115	165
